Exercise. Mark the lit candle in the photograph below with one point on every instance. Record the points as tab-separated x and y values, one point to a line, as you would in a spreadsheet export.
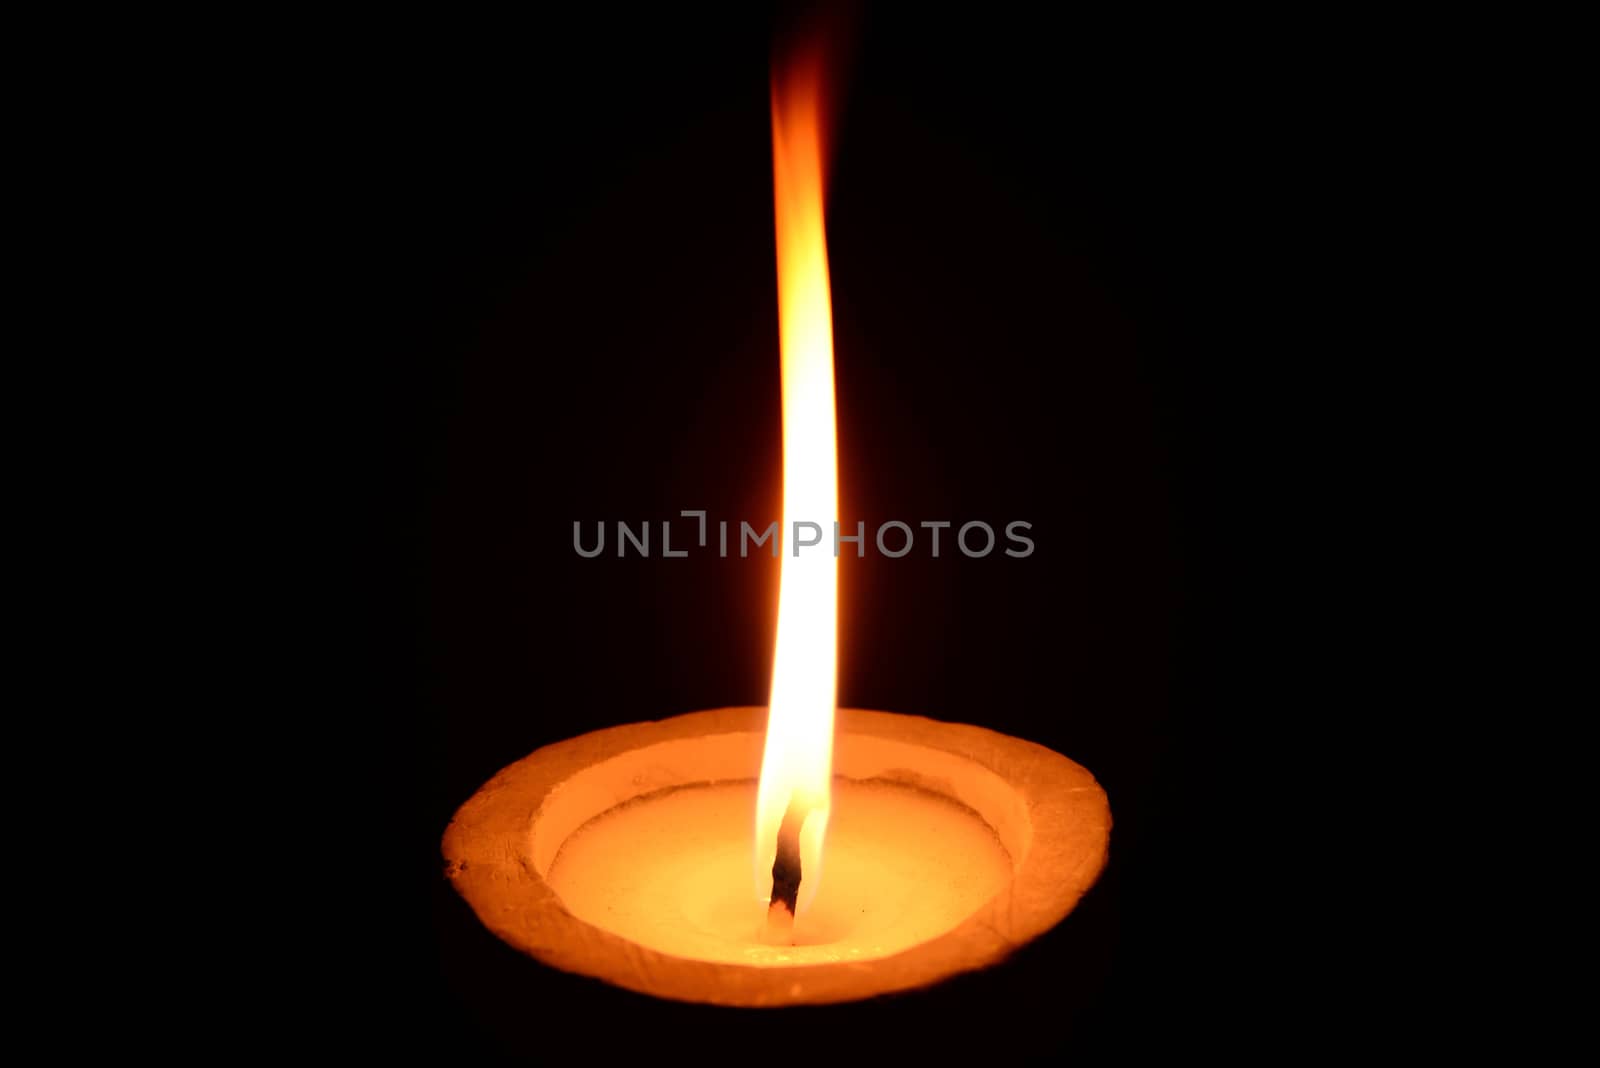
623	854
887	854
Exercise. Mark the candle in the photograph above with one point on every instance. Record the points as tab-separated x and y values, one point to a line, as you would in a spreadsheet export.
617	855
887	851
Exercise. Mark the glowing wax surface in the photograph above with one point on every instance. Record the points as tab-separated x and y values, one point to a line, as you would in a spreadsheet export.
671	871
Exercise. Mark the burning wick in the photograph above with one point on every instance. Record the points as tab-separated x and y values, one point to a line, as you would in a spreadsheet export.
793	798
786	875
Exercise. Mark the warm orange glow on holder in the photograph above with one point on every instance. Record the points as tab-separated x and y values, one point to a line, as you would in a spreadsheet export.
797	762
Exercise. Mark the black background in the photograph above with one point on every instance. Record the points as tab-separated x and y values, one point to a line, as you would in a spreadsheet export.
1080	279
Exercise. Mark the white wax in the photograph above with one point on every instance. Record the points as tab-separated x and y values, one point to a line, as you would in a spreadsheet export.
672	871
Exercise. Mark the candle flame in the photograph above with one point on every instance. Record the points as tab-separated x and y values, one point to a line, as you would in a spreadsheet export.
797	763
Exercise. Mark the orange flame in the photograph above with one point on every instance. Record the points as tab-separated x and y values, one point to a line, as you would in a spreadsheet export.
797	764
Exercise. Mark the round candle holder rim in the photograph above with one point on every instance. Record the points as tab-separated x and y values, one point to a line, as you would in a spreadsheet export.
490	852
